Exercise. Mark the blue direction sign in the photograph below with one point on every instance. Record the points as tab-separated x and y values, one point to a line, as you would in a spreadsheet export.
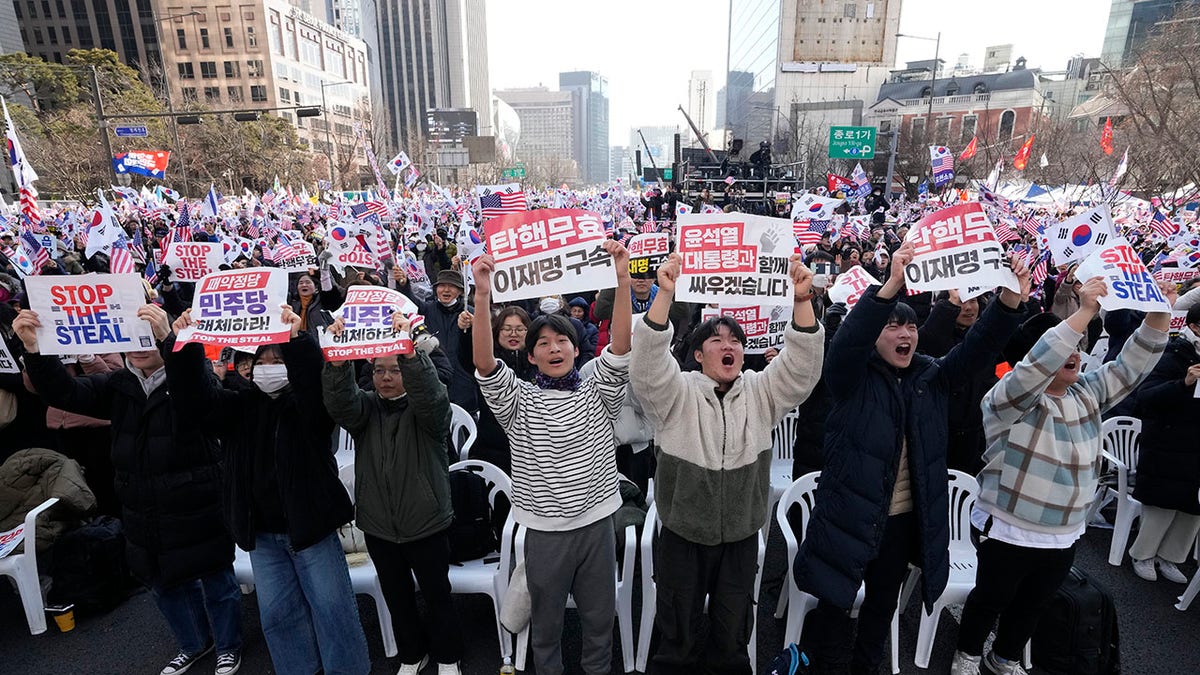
131	132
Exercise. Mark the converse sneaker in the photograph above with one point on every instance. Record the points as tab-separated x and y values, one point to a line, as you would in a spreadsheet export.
413	668
965	664
1170	572
228	663
184	661
1145	569
448	669
999	666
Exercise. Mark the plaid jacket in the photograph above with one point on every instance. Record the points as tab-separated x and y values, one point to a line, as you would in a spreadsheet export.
1043	451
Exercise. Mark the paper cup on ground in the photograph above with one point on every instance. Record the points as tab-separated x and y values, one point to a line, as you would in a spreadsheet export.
64	617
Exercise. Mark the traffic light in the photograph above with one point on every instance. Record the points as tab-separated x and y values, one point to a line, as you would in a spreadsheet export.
308	112
187	119
246	117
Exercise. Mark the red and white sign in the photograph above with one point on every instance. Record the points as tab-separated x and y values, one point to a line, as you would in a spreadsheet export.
734	258
956	247
764	326
301	256
1175	276
90	314
238	308
1130	285
850	285
11	539
548	252
193	260
647	252
367	318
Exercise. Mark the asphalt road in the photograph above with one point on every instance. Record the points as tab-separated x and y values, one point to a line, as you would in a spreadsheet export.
133	639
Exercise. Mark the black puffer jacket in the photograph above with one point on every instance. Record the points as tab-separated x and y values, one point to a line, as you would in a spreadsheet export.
167	475
873	408
1168	467
294	429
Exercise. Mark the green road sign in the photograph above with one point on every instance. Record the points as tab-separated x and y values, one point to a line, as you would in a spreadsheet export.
668	174
514	173
852	142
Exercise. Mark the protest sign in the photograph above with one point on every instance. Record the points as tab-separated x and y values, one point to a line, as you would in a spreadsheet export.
348	246
1178	322
367	317
1075	238
647	252
548	252
193	260
763	326
11	539
956	247
300	257
734	258
90	314
1130	285
1174	275
850	285
7	363
238	308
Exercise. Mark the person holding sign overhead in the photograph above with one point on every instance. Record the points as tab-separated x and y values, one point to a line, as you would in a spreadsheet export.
882	499
713	481
564	470
1043	427
283	499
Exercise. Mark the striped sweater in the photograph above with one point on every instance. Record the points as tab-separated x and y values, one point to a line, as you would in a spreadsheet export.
564	462
1043	451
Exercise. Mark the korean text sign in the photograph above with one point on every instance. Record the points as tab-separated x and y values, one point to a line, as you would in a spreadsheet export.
91	314
850	286
238	308
763	325
303	258
957	248
1130	285
548	252
734	258
647	252
193	260
7	363
367	318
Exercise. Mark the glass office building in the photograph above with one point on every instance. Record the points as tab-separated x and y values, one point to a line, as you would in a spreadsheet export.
749	93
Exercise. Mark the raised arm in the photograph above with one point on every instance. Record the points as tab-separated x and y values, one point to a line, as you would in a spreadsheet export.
345	401
482	349
620	333
653	373
1115	380
984	342
88	395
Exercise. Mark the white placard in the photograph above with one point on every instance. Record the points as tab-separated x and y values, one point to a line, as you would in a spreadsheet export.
191	261
90	314
367	334
763	325
548	252
1130	284
734	259
850	285
8	364
11	539
239	308
954	248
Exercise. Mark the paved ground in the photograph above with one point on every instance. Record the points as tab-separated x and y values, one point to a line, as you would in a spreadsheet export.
132	639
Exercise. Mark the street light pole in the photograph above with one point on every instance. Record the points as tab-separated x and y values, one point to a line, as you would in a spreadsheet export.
328	137
170	104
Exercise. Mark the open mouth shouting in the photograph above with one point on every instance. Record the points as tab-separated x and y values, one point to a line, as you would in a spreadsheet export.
727	360
1072	364
904	350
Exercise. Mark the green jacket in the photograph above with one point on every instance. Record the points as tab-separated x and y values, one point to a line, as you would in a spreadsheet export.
401	464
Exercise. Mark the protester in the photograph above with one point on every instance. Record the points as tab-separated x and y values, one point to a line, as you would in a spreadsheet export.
1043	428
402	494
881	502
447	317
713	481
563	467
283	499
168	482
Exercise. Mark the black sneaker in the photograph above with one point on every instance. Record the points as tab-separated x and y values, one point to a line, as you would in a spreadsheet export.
183	662
228	663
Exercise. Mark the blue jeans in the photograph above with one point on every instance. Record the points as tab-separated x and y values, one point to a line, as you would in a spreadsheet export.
195	606
307	607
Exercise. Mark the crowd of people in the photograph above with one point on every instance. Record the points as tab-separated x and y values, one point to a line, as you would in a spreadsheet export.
196	450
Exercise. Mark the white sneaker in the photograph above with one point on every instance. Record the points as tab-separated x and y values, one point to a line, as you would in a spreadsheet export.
1170	572
413	668
999	666
1145	569
965	664
448	669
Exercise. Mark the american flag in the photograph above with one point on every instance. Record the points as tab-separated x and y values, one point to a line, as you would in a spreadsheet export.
367	209
139	245
1161	225
1005	233
36	252
942	160
1032	226
809	232
183	225
1039	269
498	204
120	261
30	214
649	226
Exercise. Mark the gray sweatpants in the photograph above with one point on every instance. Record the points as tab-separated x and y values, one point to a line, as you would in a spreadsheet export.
581	563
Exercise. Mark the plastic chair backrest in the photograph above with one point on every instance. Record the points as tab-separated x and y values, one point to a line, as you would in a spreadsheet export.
462	422
963	490
783	436
803	493
1120	439
496	479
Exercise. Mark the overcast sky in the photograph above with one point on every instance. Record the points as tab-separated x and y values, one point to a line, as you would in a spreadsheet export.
647	48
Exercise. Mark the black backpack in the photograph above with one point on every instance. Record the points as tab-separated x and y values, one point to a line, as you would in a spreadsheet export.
88	567
1078	633
471	534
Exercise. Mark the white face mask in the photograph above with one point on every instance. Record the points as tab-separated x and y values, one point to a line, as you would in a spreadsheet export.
270	378
549	305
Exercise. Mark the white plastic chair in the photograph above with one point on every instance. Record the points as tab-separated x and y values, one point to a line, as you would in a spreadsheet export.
963	490
783	439
23	569
488	575
625	583
802	493
649	597
1120	442
1193	588
462	422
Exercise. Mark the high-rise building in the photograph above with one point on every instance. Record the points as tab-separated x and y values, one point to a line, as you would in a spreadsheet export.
700	102
589	92
432	54
10	31
997	58
661	143
621	165
1129	24
546	133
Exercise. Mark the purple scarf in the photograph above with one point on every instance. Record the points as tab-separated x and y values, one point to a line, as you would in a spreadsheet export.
568	382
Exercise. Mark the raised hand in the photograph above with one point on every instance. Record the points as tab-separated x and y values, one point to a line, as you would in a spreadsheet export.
620	256
482	269
669	272
158	320
25	326
1090	293
801	276
464	320
291	318
182	322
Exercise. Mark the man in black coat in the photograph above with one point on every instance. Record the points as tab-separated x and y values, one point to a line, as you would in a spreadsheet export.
447	318
168	482
882	499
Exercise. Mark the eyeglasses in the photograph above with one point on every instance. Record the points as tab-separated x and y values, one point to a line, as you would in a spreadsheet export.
513	330
384	372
